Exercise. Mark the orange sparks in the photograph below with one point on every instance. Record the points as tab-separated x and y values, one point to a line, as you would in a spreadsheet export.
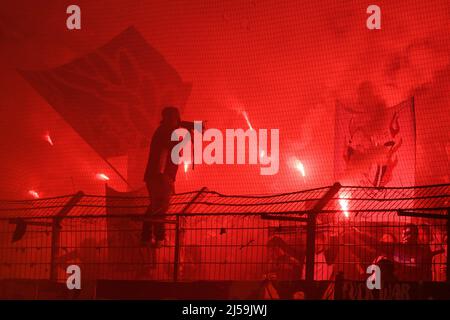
244	113
300	167
344	203
34	194
48	139
102	177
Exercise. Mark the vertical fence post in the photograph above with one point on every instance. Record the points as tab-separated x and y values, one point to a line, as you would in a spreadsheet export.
310	250
311	238
56	230
339	286
448	247
176	260
56	227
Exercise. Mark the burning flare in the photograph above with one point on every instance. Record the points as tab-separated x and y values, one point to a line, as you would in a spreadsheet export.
34	194
300	167
102	177
245	115
344	203
48	139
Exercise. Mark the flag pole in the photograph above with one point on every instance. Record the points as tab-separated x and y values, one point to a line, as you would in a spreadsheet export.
109	164
116	171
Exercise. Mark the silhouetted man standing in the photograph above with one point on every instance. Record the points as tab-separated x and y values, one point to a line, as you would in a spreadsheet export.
160	175
413	260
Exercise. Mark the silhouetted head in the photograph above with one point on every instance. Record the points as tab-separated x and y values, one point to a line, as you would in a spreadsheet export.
170	117
386	267
387	238
410	234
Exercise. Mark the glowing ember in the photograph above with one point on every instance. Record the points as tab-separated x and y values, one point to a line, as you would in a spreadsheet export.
48	139
244	113
102	177
300	167
186	166
344	203
34	194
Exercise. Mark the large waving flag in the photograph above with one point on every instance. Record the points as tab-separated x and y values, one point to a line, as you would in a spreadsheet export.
375	148
113	96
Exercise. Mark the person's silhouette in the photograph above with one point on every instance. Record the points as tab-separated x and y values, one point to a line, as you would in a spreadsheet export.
160	175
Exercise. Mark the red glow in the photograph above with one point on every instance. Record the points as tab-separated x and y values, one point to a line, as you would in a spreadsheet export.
344	203
262	154
299	166
48	139
34	194
244	113
186	166
289	81
102	177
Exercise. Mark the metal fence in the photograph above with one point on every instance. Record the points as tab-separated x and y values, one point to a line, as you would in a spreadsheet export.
310	235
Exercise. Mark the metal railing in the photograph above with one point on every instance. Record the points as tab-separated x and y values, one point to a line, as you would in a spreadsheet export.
311	235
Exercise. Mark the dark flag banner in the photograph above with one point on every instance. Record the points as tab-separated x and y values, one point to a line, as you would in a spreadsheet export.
113	96
375	148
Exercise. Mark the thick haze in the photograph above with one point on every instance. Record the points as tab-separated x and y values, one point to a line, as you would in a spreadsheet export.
284	62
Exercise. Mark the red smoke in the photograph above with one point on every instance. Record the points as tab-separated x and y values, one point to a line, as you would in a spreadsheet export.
285	61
